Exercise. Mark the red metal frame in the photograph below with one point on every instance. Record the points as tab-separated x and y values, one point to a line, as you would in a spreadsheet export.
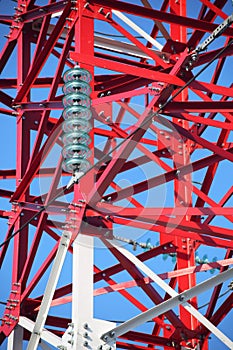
177	141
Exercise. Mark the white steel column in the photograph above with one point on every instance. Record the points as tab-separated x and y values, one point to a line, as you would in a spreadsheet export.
49	290
15	339
176	299
82	291
84	331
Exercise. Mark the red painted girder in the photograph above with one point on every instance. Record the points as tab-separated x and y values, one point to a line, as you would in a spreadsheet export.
148	289
203	25
194	137
124	68
222	202
214	8
211	171
208	16
41	82
38	11
5	214
223	310
5	246
40	272
6	53
181	224
159	61
126	149
40	61
6	111
167	275
5	19
199	106
124	293
148	339
170	248
6	99
201	238
108	209
201	120
41	222
38	160
207	57
206	97
163	178
197	85
122	345
217	289
51	95
6	193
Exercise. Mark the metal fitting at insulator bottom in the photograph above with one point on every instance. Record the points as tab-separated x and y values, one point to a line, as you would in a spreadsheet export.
76	125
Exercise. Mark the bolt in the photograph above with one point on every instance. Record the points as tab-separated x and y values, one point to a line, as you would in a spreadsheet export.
71	342
194	57
112	334
108	14
105	338
85	334
101	10
85	326
181	298
85	344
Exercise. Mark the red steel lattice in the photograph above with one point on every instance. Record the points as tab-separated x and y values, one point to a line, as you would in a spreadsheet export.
161	139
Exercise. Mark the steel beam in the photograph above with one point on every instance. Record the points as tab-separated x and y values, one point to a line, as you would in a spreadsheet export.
49	291
175	300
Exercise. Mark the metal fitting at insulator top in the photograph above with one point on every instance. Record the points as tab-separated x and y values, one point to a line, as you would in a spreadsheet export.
76	125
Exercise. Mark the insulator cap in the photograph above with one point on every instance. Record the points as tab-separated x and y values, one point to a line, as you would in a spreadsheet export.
76	137
76	99
80	151
75	164
76	124
77	74
77	112
77	86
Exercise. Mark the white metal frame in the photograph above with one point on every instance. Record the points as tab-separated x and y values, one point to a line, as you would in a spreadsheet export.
49	291
169	304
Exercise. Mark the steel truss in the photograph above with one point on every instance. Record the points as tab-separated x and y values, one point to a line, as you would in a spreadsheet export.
161	158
